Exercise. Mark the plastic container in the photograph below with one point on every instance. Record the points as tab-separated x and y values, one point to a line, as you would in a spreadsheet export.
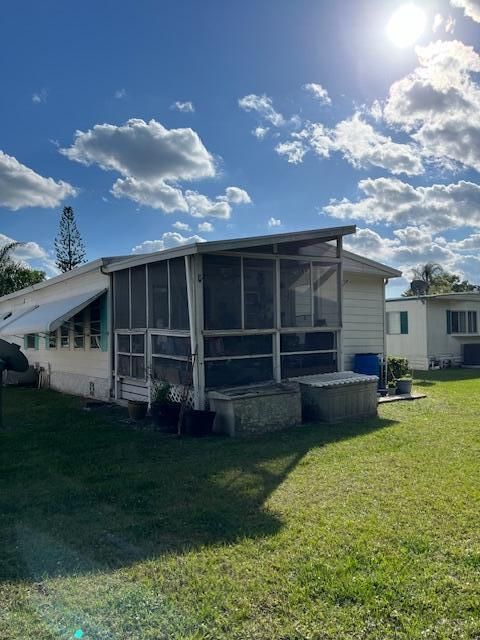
367	363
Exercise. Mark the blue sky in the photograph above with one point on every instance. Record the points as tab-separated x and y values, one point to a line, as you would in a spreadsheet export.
168	120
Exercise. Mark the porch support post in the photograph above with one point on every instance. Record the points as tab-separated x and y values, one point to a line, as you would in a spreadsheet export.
340	354
195	306
277	365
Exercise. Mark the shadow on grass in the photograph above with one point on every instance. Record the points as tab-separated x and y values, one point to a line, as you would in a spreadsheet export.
79	494
431	378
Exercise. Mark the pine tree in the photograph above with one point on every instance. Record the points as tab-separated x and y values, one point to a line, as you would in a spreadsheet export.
69	245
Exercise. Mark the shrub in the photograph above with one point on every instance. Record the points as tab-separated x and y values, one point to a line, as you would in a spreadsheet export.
397	367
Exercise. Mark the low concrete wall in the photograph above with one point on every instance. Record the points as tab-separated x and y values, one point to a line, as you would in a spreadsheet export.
261	409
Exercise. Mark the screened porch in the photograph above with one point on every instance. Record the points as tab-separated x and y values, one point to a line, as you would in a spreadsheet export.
248	315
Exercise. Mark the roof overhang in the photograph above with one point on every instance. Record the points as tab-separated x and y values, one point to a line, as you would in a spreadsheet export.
48	316
320	235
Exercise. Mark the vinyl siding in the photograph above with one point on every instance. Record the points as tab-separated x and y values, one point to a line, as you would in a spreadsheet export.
412	345
363	316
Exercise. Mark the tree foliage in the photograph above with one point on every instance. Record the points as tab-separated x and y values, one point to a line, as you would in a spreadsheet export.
437	280
13	274
69	246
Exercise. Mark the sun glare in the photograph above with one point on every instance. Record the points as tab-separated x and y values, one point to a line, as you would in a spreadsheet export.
406	25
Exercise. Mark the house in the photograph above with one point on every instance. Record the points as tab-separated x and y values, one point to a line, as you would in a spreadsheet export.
433	330
249	309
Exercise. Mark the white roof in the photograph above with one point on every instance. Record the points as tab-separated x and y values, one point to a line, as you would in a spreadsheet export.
8	317
48	316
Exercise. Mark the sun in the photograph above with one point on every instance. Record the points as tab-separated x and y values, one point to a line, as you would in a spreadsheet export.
406	25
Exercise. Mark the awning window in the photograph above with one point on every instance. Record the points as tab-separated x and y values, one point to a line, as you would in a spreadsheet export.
48	316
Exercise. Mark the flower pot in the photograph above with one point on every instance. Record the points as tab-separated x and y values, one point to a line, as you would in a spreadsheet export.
198	423
137	410
404	386
392	391
165	414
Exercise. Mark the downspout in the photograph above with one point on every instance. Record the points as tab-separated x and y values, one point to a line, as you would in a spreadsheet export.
385	355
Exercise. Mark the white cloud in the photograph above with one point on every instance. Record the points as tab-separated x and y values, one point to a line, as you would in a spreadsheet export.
413	246
362	146
39	96
439	103
264	107
21	187
235	195
318	92
359	144
471	8
168	240
206	227
449	25
260	132
376	110
183	107
181	226
120	93
437	22
158	195
391	201
293	150
274	222
151	159
200	206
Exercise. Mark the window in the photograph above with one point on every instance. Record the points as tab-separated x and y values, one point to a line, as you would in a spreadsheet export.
121	292
79	331
178	295
238	360
222	292
462	322
326	310
158	295
308	364
258	292
295	293
138	297
131	355
65	336
52	340
30	341
95	325
307	353
397	322
171	359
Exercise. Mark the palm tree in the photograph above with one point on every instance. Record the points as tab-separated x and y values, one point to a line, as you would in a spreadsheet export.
5	252
428	273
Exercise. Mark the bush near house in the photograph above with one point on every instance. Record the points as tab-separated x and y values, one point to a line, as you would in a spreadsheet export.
346	532
397	367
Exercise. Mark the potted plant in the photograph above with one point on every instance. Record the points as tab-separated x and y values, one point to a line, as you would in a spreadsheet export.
137	410
404	385
392	388
163	410
198	422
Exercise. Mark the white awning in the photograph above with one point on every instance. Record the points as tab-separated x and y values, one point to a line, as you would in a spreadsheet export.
48	316
8	317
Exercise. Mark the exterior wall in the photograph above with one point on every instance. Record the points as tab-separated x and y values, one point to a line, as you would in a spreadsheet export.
363	316
413	345
441	344
71	370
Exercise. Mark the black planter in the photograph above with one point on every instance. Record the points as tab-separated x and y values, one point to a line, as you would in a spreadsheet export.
165	415
198	423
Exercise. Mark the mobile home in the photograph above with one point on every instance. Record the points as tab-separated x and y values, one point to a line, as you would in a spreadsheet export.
250	310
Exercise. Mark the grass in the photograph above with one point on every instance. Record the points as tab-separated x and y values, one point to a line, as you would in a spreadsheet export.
353	531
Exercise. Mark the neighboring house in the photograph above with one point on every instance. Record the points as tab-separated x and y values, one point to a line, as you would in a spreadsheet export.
260	309
431	330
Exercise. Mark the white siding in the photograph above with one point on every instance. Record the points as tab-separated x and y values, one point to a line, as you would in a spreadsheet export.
363	316
441	344
71	370
413	345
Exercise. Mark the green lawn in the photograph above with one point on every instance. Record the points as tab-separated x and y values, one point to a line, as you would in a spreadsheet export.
353	531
